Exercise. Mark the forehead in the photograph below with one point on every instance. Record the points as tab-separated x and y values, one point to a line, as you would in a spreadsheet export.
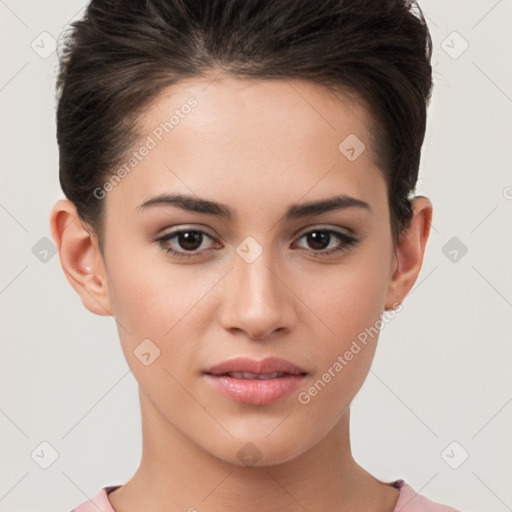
224	135
241	107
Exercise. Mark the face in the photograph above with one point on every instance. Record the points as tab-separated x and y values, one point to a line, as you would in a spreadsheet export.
257	276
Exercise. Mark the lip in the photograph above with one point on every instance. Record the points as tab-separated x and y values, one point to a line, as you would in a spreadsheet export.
267	365
255	391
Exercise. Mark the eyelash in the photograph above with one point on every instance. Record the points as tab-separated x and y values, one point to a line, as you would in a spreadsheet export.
347	243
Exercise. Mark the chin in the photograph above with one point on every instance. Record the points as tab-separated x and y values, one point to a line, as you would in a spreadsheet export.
260	450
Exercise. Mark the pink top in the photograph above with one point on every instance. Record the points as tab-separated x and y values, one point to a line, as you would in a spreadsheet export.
408	501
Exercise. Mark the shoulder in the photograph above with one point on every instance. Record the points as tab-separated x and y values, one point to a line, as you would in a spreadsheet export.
410	501
98	503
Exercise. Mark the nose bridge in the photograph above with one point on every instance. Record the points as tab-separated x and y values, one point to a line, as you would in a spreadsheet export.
256	300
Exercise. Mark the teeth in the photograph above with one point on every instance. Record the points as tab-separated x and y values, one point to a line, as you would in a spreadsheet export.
263	376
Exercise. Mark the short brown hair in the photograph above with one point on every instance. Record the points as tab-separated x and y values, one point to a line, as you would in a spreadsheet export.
117	59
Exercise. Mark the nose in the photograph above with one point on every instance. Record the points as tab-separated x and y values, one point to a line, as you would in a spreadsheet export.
256	299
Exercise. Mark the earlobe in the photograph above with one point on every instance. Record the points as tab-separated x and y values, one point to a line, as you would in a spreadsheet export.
410	251
80	257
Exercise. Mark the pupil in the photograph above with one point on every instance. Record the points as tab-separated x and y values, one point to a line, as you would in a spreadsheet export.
318	237
190	240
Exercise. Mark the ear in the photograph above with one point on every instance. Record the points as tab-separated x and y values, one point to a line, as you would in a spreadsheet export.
409	252
80	257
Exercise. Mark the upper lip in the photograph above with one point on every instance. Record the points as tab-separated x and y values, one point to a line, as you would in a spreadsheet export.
265	366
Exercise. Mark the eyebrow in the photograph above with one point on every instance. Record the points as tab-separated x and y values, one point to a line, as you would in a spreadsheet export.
294	211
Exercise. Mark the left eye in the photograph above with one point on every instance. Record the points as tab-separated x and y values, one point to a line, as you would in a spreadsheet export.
320	237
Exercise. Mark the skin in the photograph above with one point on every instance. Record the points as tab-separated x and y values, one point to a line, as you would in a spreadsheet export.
257	147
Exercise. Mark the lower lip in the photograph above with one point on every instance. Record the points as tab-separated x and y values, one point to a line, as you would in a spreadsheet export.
255	391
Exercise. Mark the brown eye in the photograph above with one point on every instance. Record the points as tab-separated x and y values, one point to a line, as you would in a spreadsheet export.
186	242
319	240
189	240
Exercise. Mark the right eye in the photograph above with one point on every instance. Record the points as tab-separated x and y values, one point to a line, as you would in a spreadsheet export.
187	244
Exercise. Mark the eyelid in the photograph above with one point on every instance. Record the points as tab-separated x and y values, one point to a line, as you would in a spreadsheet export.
325	227
184	227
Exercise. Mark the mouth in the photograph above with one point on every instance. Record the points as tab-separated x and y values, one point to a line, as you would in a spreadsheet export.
255	382
254	376
244	367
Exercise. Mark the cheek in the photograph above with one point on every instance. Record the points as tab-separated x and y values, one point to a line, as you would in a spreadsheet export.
149	292
351	308
352	311
351	297
349	302
161	302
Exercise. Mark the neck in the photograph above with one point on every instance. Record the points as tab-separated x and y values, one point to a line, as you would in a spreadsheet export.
177	474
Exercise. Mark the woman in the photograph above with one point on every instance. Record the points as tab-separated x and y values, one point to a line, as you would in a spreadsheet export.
240	182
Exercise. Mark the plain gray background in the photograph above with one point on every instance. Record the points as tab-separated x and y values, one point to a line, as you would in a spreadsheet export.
440	385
